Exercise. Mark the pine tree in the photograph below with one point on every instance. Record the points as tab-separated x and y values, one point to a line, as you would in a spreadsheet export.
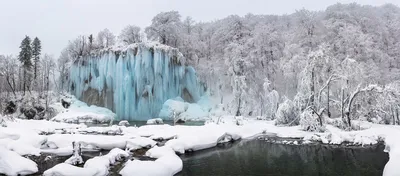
36	51
25	56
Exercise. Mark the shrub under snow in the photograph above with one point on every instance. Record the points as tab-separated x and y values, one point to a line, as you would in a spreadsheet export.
287	114
309	122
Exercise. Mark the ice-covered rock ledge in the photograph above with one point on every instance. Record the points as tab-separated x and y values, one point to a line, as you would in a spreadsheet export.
134	81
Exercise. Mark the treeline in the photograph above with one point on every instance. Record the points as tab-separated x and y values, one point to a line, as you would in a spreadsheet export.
27	72
341	62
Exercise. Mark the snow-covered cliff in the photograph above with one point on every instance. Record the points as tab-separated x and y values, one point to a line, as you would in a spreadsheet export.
134	81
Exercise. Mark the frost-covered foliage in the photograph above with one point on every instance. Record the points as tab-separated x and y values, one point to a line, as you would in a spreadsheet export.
105	39
134	81
287	113
309	121
33	105
270	101
130	35
317	59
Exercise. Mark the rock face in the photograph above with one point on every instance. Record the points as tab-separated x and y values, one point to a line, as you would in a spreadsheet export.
11	108
135	81
30	113
65	104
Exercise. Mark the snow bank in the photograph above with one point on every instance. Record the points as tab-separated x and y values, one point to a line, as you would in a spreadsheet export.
11	163
61	144
89	142
194	112
186	138
43	126
167	164
154	121
158	152
393	148
97	166
22	141
64	169
183	110
172	106
102	163
80	112
139	142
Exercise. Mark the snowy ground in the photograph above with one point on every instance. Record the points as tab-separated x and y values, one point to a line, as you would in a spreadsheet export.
24	137
80	112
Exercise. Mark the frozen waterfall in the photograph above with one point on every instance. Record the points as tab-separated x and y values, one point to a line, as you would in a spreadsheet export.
134	81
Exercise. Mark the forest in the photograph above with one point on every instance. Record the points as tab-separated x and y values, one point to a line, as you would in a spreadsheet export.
308	68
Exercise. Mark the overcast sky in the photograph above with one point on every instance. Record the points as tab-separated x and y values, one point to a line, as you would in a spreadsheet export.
56	22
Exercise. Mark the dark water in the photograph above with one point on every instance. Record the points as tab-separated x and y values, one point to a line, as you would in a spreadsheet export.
259	157
141	123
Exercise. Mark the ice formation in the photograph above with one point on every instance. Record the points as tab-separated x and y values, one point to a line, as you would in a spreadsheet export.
134	81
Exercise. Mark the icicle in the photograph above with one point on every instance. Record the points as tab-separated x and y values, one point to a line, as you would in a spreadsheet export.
137	81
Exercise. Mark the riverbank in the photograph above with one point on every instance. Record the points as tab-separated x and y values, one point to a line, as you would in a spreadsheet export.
26	137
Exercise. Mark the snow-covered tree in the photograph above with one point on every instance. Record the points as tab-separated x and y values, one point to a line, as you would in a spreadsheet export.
165	28
105	38
36	51
287	113
25	57
9	71
130	34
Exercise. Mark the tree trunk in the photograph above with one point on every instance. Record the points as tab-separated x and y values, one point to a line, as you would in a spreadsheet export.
11	87
312	88
342	104
238	109
24	83
397	116
327	104
393	115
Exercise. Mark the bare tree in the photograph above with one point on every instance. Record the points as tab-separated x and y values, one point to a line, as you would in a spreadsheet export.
130	34
105	38
8	70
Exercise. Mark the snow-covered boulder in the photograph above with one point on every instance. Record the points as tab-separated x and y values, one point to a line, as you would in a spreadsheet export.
80	112
178	109
154	121
123	123
11	163
194	111
102	163
139	142
69	170
168	163
172	106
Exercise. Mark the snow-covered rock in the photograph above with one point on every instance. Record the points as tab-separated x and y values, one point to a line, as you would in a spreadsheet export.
139	142
158	152
195	112
80	112
64	169
123	123
102	163
172	106
167	165
11	163
154	121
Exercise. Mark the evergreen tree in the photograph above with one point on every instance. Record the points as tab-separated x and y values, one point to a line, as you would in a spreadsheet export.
36	51
25	56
